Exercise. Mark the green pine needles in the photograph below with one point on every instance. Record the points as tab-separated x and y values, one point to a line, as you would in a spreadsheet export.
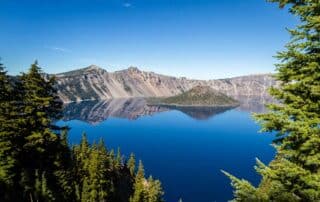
36	162
294	174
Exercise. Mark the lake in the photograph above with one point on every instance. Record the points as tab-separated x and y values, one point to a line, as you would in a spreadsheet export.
184	148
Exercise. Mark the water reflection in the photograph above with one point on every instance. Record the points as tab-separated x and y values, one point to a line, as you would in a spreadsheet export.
95	112
200	113
254	103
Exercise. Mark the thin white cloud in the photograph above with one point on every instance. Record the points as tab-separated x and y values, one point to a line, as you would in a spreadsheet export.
59	49
126	5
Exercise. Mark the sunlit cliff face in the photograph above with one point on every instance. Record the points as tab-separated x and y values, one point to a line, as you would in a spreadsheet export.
94	83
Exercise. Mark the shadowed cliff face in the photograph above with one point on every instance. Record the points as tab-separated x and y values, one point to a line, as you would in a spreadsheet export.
95	112
94	83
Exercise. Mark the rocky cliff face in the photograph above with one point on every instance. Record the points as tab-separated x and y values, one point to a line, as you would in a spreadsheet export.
94	83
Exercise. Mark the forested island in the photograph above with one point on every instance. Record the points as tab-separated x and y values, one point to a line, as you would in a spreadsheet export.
198	96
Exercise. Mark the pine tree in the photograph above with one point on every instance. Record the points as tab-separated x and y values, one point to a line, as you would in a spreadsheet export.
131	164
98	176
118	160
139	192
111	157
41	191
80	154
85	191
92	168
11	142
64	166
146	190
42	149
154	190
102	147
7	162
140	173
294	174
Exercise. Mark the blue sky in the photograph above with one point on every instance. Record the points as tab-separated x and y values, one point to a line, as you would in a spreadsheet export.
194	38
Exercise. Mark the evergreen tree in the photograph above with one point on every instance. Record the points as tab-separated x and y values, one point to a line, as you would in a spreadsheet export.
41	193
42	149
7	162
36	163
80	154
118	160
93	171
11	142
146	190
102	147
40	109
139	192
98	176
294	174
64	165
131	164
154	190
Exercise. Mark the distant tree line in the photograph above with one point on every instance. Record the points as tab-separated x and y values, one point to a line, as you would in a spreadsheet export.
36	162
294	174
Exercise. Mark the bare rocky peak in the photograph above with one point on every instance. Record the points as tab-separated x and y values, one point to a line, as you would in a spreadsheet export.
93	69
133	69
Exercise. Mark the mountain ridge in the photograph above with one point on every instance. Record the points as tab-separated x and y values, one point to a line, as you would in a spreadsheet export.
95	83
134	68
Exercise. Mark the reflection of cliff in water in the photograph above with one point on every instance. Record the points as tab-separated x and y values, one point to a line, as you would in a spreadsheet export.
97	111
200	113
254	103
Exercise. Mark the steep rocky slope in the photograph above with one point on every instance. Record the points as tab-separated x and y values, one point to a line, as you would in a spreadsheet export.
94	83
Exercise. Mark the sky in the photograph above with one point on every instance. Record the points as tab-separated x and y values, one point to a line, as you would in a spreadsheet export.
201	39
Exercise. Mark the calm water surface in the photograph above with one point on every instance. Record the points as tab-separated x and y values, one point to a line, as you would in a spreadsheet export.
184	148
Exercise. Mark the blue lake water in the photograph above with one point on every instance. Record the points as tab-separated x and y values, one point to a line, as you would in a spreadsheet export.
185	150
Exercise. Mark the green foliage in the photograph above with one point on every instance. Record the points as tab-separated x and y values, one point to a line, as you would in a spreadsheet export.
10	142
41	148
93	170
197	96
146	190
36	162
294	174
139	195
244	191
154	190
131	164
